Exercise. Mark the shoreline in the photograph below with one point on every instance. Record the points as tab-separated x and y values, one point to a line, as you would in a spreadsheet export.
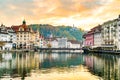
16	50
46	51
101	52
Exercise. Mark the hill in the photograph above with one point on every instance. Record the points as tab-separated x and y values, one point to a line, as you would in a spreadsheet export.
71	33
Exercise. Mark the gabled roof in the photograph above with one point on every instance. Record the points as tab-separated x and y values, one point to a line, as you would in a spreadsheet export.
24	26
74	41
10	30
16	28
51	39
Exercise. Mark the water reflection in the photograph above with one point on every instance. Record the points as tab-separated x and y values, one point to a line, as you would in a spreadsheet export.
104	65
61	66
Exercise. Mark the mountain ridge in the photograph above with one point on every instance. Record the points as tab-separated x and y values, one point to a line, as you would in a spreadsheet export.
72	33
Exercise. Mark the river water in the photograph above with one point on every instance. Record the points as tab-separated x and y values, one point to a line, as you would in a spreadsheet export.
59	66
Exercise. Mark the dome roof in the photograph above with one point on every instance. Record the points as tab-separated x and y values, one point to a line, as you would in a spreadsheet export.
24	22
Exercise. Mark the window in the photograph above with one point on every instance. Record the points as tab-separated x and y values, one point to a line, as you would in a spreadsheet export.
115	25
20	29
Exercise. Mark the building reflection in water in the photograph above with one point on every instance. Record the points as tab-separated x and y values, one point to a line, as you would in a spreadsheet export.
18	64
104	65
21	65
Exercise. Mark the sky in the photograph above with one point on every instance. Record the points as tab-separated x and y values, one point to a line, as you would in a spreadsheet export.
84	14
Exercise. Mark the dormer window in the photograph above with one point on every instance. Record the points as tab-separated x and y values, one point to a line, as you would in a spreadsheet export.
21	29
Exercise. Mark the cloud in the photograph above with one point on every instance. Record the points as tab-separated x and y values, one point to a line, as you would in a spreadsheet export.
82	13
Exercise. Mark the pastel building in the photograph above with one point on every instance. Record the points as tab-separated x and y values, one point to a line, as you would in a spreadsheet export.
73	44
62	42
42	42
89	39
13	37
54	43
106	35
5	42
110	34
97	36
27	38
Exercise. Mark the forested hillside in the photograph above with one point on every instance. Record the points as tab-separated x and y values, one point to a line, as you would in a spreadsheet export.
59	31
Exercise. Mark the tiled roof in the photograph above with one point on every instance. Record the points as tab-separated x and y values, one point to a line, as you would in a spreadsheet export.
74	41
51	39
16	28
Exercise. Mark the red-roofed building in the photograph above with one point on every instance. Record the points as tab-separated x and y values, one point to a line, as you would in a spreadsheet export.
89	38
73	44
27	38
93	38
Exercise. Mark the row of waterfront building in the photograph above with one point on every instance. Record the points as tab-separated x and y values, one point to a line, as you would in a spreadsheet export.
24	37
104	36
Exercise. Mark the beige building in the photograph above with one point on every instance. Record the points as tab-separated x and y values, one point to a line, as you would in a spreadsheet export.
111	33
97	36
27	38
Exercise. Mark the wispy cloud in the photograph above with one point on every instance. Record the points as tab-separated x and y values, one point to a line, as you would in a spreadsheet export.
82	13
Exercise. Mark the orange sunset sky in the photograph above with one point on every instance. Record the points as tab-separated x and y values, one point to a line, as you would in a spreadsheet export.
82	13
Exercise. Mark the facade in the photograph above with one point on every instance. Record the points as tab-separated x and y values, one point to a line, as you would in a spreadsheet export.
73	44
51	42
89	39
97	36
106	36
54	43
26	37
62	42
110	34
13	37
118	33
42	42
5	43
36	34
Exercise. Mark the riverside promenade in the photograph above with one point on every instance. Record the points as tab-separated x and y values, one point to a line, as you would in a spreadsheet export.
87	51
43	49
17	50
59	48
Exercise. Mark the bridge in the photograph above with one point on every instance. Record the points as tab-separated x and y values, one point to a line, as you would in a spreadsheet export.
59	48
